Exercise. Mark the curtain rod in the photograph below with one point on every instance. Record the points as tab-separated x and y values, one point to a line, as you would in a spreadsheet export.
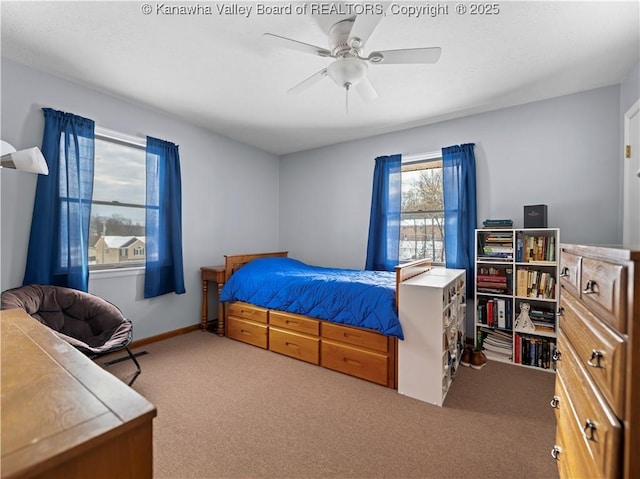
431	155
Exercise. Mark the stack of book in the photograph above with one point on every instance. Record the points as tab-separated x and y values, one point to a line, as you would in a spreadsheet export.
497	345
544	321
489	224
494	280
496	246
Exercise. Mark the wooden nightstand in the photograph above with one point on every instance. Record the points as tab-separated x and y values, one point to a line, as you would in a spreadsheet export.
216	274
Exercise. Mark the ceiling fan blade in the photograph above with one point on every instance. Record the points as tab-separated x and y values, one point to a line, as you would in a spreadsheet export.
308	82
296	45
366	90
407	55
362	28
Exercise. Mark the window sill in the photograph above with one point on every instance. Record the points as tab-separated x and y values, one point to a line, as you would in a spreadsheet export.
116	272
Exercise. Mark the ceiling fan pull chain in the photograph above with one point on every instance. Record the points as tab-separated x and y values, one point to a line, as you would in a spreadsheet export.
346	87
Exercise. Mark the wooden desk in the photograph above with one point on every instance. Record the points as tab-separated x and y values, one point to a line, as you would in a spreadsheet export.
63	416
217	275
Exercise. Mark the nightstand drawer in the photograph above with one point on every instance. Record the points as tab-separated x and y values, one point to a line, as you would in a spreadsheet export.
247	331
299	346
604	291
247	311
294	322
600	351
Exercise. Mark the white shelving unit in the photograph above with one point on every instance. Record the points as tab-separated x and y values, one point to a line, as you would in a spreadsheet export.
515	268
432	312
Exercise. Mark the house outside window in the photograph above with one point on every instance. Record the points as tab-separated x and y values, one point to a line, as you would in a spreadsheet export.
117	225
422	216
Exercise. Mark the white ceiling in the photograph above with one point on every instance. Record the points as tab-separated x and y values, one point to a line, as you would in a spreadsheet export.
218	72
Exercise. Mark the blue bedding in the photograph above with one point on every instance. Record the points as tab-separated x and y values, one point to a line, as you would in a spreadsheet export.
359	298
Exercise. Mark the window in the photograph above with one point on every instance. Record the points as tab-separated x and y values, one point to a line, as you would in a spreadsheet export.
116	237
422	214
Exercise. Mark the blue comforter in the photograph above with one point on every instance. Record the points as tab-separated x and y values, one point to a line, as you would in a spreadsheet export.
359	298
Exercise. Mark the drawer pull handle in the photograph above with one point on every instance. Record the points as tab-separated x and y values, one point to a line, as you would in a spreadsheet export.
555	402
352	361
291	345
589	430
590	287
555	357
290	321
565	272
594	361
555	452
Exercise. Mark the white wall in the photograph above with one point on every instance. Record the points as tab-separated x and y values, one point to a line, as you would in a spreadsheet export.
230	193
562	152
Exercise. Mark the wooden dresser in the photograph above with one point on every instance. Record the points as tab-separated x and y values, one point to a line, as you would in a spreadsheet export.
63	416
597	392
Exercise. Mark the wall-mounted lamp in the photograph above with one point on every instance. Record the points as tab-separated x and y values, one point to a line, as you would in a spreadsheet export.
30	159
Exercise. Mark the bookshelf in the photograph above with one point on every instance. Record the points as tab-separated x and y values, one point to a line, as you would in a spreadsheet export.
516	269
432	311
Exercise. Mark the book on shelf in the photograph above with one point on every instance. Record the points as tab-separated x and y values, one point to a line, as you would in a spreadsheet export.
534	351
490	224
538	249
532	283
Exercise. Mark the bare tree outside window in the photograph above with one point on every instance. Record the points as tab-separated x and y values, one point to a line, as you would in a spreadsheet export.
422	219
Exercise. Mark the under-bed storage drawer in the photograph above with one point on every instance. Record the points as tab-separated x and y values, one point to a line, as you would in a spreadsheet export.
247	311
296	345
294	322
247	331
354	361
357	337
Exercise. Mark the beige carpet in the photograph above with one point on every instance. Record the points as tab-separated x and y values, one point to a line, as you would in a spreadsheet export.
229	410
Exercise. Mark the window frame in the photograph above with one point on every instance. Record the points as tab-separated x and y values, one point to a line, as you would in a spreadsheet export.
409	163
112	136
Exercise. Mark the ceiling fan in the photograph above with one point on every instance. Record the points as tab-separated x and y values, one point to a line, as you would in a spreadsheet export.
347	39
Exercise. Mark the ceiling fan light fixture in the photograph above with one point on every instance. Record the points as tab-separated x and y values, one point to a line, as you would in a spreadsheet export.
347	71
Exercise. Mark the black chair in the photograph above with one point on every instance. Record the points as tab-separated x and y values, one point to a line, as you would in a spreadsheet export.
91	324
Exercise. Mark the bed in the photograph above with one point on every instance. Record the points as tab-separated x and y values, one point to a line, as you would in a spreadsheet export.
344	320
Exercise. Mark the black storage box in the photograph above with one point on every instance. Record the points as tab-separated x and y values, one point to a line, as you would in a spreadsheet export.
535	216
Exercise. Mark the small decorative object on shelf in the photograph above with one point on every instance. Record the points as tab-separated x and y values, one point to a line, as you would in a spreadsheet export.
523	322
517	294
535	216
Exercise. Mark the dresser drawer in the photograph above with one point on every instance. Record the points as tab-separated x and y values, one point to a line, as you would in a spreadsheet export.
247	331
586	419
294	322
296	345
357	337
572	456
354	361
247	311
604	291
599	350
570	272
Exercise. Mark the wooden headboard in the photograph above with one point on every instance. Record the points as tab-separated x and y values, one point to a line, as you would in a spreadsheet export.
233	263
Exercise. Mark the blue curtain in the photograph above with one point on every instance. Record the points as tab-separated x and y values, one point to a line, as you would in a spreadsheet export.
58	243
384	223
163	229
460	217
